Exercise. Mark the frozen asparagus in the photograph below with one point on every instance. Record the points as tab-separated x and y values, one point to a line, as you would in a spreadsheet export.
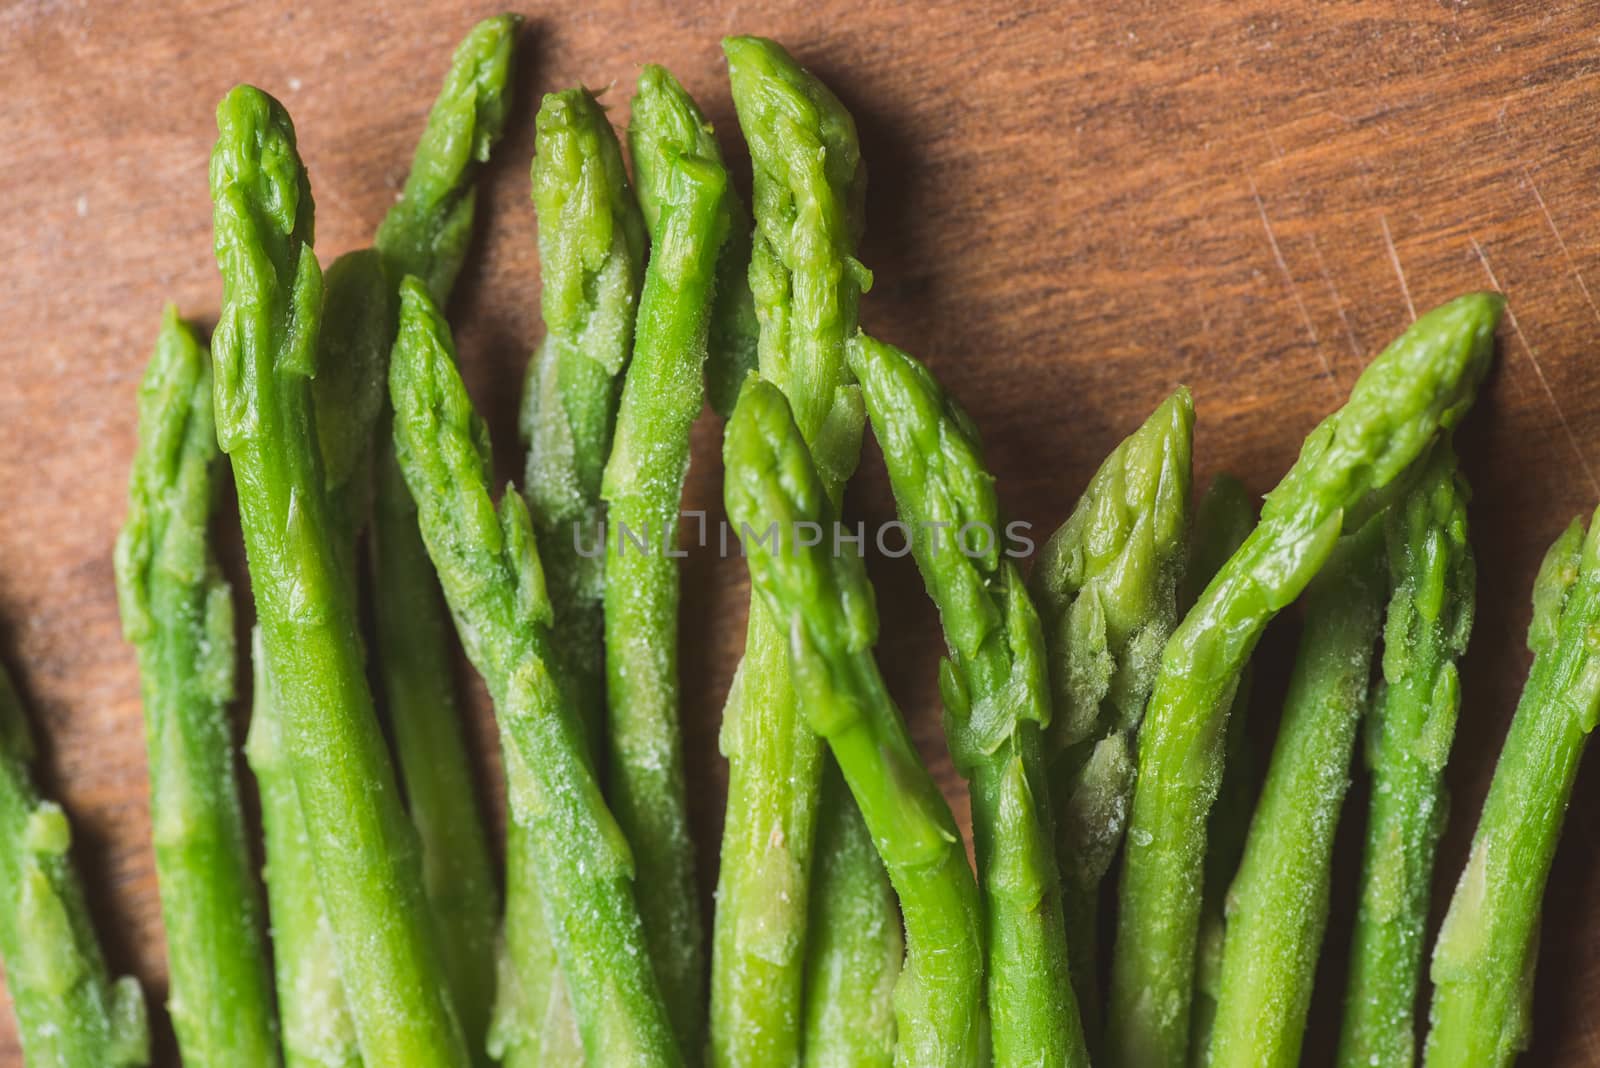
265	348
809	186
1221	524
1432	577
1423	382
996	695
70	1012
773	486
1106	584
490	572
1278	903
1484	959
178	613
592	255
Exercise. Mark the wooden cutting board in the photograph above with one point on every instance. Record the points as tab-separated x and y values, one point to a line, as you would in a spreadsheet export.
1074	207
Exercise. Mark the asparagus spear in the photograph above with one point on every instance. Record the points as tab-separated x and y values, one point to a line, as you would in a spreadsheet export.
1278	903
426	233
854	941
996	697
592	253
1408	740
178	613
682	181
1221	524
70	1013
490	572
358	318
1483	961
808	191
265	348
1106	586
773	487
1422	382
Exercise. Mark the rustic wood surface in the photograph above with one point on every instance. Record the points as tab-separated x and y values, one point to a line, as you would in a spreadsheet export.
1074	207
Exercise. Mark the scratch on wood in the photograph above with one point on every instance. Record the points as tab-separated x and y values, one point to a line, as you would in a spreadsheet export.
1338	301
1394	258
1516	328
1294	288
1562	243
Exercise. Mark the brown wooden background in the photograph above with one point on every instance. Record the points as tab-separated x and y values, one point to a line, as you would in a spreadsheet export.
1074	207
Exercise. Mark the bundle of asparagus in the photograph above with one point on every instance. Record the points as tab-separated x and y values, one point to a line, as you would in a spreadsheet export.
1096	711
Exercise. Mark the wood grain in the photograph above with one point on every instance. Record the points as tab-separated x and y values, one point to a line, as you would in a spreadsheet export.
1074	207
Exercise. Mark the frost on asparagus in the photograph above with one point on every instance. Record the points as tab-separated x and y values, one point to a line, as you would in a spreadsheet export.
1484	959
70	1012
1423	382
178	613
1432	575
808	192
1277	905
490	571
1106	584
996	696
827	605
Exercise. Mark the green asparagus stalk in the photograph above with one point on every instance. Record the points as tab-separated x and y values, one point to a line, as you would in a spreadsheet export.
1278	904
855	941
1423	382
682	181
774	493
178	613
592	243
1483	961
265	348
358	319
490	572
1221	524
318	1030
1106	585
809	188
70	1013
1432	576
592	255
426	233
996	695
